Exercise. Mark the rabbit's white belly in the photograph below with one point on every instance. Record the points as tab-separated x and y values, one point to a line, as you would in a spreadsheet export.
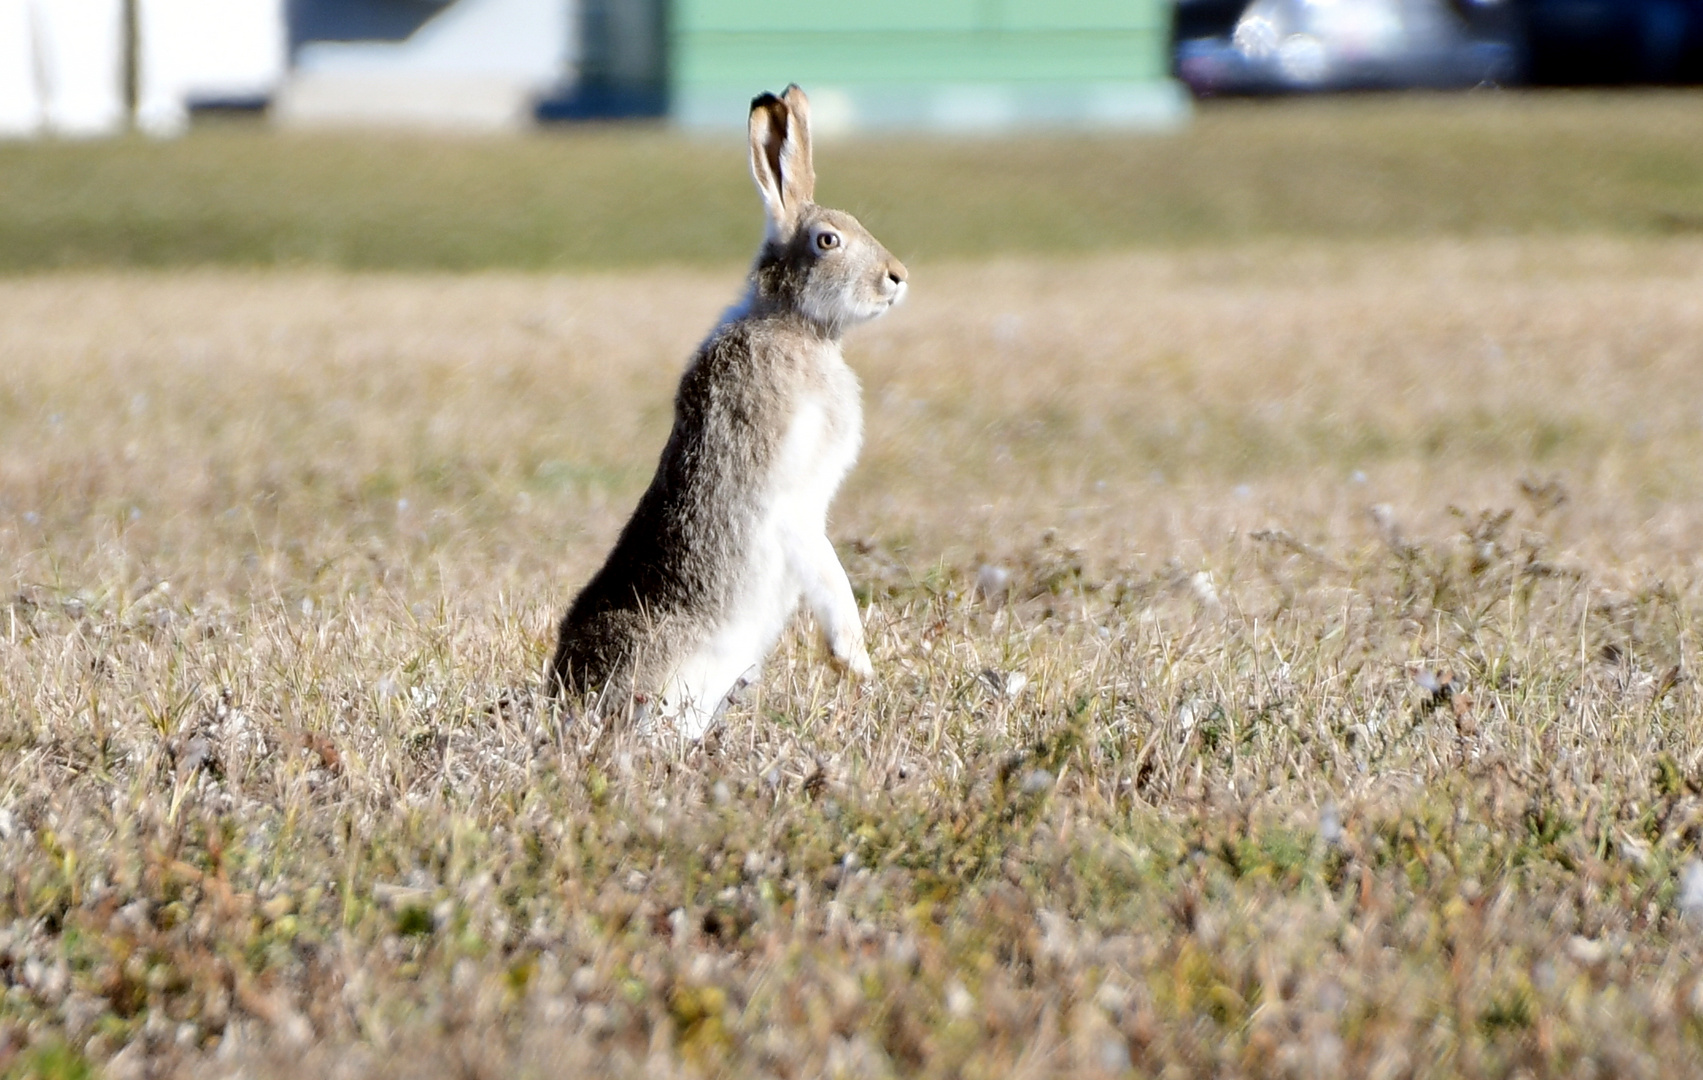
819	449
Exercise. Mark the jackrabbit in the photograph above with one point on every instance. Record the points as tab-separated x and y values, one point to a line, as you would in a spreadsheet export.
767	422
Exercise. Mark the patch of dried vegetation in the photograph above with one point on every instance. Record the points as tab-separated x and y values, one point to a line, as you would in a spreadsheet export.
1285	668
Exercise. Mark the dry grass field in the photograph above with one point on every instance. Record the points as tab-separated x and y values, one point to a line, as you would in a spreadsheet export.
1335	714
1280	544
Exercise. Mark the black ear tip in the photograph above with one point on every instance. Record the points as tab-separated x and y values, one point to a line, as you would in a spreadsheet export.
764	100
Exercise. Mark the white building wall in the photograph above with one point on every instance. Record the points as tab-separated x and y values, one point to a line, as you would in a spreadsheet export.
62	61
192	50
20	97
61	67
478	64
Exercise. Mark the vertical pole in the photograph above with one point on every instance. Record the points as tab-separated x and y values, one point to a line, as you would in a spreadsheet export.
132	60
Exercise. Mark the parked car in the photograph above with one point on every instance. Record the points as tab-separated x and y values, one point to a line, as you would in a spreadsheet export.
1277	46
1274	46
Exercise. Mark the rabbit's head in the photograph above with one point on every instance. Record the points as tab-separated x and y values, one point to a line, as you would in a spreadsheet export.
818	262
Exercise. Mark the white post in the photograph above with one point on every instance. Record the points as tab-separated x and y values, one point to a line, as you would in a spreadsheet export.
81	53
20	73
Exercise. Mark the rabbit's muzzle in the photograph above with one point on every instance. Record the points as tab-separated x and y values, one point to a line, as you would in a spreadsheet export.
893	282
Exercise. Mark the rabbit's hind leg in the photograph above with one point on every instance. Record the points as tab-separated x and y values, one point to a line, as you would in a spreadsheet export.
698	693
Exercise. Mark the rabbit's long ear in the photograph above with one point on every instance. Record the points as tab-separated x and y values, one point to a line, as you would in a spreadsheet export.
780	157
798	169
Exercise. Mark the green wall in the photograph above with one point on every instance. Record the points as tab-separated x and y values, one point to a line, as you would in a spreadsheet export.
953	64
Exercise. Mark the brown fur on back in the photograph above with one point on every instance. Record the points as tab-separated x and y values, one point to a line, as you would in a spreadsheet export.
671	573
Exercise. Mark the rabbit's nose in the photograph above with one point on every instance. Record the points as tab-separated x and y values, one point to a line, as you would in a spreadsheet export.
896	273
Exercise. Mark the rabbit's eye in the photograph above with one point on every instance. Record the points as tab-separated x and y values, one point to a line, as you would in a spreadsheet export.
827	241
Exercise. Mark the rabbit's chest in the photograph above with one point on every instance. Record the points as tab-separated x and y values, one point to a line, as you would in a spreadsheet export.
820	446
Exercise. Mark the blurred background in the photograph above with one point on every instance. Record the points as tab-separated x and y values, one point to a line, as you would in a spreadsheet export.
462	134
90	67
